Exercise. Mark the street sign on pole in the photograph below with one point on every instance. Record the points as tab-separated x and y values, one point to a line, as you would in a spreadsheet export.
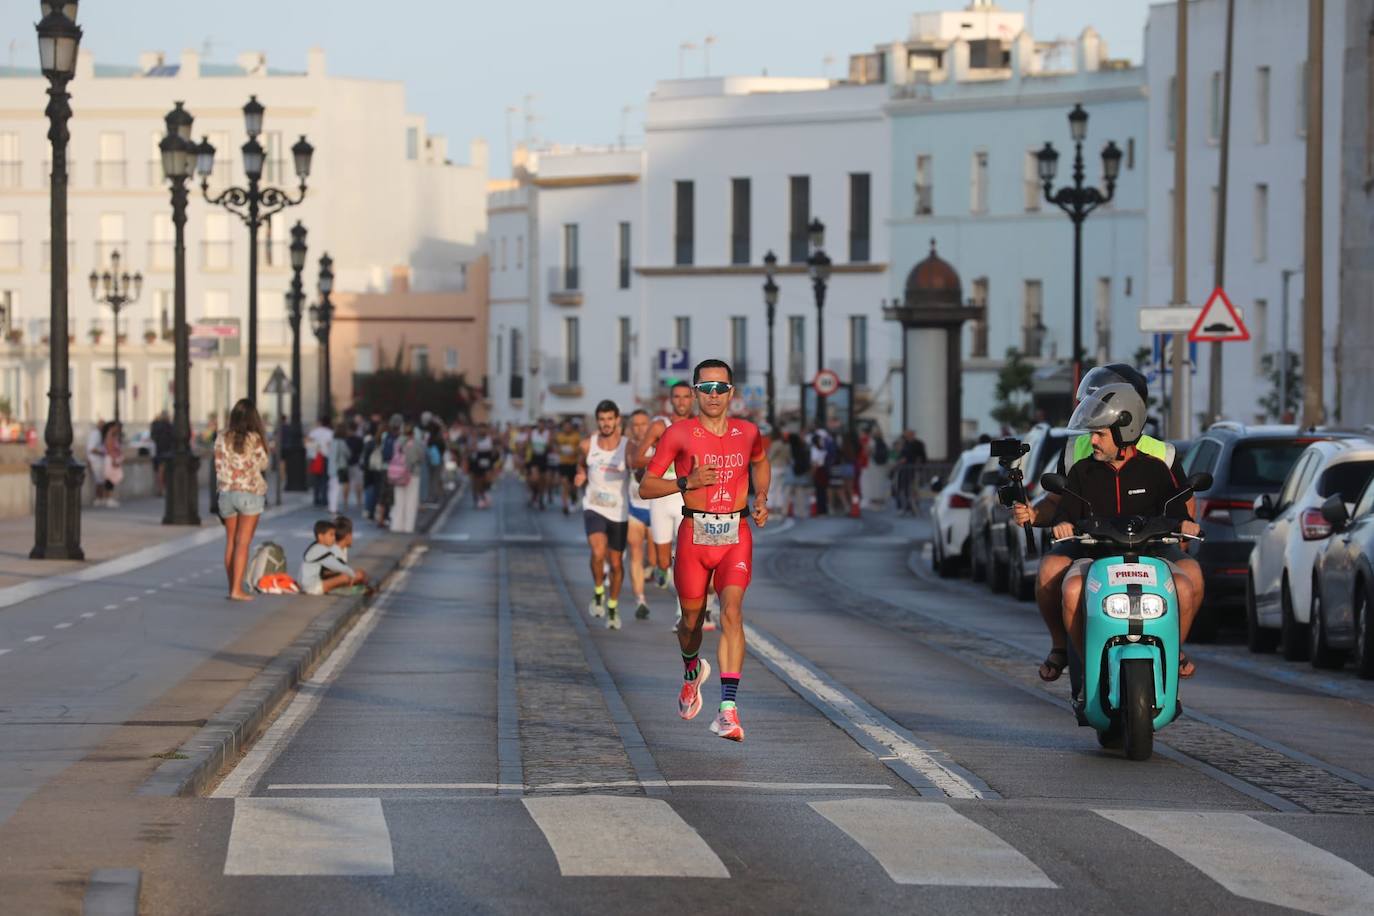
1168	319
278	383
673	359
826	383
1219	321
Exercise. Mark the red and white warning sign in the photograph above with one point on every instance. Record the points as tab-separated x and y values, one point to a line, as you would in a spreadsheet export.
1219	321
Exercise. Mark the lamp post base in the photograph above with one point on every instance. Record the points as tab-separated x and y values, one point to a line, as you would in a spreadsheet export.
57	509
296	481
182	491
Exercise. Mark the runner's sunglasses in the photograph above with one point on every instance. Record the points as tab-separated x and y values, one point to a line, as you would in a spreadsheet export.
714	387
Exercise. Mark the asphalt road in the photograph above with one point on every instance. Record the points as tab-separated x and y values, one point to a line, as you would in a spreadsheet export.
482	745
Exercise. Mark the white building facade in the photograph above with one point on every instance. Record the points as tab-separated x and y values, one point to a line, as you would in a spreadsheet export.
382	194
1265	200
973	98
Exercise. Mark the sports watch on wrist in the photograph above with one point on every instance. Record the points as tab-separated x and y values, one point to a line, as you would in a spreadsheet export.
682	484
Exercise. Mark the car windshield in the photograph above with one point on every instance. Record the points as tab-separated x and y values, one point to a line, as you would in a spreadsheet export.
1347	478
1262	464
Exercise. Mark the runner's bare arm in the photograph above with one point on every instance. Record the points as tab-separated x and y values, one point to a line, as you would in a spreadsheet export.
640	458
654	484
582	447
762	473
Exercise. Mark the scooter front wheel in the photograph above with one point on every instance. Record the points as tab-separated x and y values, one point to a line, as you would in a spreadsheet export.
1137	708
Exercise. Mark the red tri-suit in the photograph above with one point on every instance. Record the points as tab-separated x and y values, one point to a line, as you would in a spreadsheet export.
687	444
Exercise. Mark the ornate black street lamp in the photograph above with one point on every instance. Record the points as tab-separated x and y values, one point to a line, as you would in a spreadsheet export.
178	164
818	266
770	301
321	318
58	476
254	205
295	305
116	290
1078	201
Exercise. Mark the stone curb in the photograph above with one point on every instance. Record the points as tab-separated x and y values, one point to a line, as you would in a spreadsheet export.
238	724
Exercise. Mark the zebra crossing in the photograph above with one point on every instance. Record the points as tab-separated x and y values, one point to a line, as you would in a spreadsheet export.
915	842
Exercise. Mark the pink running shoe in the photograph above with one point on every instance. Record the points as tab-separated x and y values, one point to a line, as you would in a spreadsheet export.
689	697
727	725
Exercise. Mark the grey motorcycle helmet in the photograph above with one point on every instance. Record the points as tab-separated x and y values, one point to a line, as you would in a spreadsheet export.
1116	406
1111	374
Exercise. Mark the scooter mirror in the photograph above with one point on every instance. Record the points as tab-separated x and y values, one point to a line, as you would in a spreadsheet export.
1200	482
1054	483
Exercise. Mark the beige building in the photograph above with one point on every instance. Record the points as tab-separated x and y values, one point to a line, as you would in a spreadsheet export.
382	192
435	333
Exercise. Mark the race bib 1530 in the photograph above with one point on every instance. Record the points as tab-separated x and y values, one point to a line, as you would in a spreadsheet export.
715	530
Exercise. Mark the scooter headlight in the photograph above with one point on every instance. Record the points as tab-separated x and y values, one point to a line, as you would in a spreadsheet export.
1117	606
1151	606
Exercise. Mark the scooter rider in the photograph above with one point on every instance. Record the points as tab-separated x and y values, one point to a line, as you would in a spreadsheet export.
1121	479
1055	563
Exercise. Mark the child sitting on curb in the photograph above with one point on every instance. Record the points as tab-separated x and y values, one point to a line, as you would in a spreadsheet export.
323	568
343	539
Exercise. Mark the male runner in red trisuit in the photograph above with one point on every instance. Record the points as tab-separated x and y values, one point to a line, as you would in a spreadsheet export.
713	541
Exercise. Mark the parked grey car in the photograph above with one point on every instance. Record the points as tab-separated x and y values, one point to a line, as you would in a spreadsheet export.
1345	586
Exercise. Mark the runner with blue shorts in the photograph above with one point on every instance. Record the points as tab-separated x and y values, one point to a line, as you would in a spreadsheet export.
638	535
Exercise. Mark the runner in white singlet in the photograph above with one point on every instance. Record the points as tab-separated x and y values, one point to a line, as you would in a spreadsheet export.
603	467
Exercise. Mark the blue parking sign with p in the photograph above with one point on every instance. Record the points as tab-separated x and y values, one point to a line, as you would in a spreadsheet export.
673	359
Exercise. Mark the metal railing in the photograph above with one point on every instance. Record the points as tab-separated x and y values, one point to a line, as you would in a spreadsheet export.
683	250
798	248
111	173
274	255
216	255
859	249
739	249
565	279
924	195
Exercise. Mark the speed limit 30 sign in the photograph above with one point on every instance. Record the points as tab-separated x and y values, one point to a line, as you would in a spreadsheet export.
826	383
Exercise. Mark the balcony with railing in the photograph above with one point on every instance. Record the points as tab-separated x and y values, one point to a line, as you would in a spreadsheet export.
161	255
111	173
798	248
1033	340
517	388
563	376
216	255
565	285
10	254
739	249
273	255
11	174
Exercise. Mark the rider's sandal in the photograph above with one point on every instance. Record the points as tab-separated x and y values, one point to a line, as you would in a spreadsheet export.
1056	662
1186	668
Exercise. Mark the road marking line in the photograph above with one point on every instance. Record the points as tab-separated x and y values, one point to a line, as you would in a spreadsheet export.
844	707
575	786
61	626
89	614
131	599
150	591
166	585
931	843
1254	860
111	607
309	836
245	775
4	651
634	837
458	536
35	639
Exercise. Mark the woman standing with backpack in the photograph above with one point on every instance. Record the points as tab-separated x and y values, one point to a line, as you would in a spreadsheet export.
403	472
240	463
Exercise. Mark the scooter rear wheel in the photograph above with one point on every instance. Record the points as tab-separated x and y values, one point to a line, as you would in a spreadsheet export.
1137	708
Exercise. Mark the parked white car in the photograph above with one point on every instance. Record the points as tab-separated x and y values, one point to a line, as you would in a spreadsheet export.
1283	565
949	517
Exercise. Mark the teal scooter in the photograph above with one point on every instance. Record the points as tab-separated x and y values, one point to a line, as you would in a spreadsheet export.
1126	685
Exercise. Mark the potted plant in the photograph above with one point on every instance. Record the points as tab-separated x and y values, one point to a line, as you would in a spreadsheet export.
149	336
15	335
96	334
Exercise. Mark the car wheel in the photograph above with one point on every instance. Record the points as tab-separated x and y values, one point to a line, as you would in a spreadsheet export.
1364	633
935	552
997	572
1292	635
1320	653
1258	638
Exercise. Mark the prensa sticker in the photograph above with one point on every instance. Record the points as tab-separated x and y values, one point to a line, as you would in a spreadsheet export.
1131	574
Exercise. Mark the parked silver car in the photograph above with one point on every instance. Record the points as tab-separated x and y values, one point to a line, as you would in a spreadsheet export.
1345	587
949	516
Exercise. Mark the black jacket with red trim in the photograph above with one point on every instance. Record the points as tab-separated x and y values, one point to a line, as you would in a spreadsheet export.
1140	487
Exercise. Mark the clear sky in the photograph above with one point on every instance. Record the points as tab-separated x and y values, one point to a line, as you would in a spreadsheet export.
465	63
